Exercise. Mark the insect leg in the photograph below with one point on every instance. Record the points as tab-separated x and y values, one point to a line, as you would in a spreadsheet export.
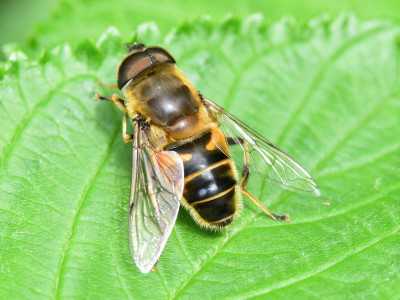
120	103
245	176
117	100
126	137
108	86
259	204
154	267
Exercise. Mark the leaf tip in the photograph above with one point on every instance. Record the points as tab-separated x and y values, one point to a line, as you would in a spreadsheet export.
148	32
253	21
17	55
111	33
13	52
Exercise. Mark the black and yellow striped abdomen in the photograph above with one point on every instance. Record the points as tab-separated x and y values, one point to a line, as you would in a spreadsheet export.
210	191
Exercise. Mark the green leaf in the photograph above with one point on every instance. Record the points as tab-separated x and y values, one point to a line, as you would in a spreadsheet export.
328	93
74	20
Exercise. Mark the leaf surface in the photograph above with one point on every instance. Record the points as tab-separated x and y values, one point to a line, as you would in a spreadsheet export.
74	20
327	93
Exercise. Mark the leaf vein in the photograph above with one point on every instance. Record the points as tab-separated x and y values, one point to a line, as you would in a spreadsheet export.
322	268
353	130
316	81
320	76
83	197
24	122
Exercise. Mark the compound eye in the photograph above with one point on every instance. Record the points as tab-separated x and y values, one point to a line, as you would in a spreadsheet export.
161	55
131	66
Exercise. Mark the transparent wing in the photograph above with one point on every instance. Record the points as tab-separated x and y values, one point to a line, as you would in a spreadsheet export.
156	191
265	159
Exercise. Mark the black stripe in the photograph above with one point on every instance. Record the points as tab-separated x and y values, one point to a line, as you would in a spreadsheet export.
209	183
201	157
217	209
224	223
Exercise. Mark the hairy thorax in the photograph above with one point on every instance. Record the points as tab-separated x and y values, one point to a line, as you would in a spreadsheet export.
167	101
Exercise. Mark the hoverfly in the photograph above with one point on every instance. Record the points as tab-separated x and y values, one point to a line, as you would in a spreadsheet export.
186	150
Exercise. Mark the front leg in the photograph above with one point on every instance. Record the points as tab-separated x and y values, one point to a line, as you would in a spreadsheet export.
108	86
117	100
120	103
126	137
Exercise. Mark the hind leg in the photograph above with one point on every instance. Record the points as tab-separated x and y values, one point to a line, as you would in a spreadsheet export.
245	177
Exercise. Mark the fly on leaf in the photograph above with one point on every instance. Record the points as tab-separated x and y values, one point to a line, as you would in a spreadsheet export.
186	151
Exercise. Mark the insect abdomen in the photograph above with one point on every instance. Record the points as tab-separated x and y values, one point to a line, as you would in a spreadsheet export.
210	182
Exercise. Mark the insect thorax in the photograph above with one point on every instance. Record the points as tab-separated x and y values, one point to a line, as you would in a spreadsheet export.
168	99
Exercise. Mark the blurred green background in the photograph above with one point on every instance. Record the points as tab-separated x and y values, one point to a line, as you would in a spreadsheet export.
41	23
